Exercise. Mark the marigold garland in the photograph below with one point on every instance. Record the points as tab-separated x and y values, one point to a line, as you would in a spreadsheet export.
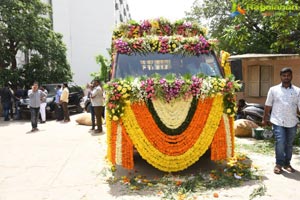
174	113
172	144
231	120
119	146
173	163
219	145
127	150
228	135
179	129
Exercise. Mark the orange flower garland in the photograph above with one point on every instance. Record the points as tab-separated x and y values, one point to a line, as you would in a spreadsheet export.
112	141
211	132
219	146
127	150
168	144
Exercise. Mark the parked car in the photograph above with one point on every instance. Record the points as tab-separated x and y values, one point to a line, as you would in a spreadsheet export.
75	98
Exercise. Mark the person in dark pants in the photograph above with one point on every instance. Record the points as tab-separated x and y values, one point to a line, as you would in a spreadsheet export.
93	118
35	95
19	94
283	101
64	100
6	100
98	104
59	115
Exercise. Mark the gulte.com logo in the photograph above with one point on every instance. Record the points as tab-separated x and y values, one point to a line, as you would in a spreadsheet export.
236	9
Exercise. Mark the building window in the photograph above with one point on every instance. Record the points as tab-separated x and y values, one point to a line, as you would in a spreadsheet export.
121	18
259	80
124	11
116	6
121	1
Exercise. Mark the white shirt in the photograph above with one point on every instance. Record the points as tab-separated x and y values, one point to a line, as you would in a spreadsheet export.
284	103
97	97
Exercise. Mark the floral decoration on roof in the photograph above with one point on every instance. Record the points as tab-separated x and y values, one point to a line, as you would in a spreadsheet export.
160	35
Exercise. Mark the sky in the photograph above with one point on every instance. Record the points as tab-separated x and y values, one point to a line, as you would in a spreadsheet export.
151	9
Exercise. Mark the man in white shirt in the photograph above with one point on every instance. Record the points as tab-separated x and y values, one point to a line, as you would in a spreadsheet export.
283	100
97	101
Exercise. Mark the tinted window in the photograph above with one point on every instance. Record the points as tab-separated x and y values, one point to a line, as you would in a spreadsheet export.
138	65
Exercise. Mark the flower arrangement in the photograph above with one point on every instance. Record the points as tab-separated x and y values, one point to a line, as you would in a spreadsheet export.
159	35
169	88
164	44
158	26
131	123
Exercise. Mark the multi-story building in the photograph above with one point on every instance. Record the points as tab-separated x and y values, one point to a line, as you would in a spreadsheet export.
87	28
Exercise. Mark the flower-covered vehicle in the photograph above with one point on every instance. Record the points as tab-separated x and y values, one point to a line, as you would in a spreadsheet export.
168	97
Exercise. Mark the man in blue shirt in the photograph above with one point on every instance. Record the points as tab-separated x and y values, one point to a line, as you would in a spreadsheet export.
58	108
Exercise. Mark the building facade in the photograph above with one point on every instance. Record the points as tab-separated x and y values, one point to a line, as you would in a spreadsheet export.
87	28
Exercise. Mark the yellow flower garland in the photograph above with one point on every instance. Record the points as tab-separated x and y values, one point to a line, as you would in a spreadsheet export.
173	163
228	136
119	145
172	114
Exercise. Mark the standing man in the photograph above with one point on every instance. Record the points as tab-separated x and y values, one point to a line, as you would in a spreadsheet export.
43	105
90	89
35	95
6	100
282	101
19	94
64	100
58	109
98	104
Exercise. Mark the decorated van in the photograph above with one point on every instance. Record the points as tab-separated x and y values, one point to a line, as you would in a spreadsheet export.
168	98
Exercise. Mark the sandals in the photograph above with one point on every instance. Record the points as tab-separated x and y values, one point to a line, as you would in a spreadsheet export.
289	168
278	169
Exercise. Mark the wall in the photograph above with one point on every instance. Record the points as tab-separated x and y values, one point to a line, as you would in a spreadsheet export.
277	64
87	28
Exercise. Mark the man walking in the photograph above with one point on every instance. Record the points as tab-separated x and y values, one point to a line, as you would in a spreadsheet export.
35	95
282	101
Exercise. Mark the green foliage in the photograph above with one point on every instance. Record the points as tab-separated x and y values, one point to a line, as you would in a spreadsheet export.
297	138
25	27
103	74
254	32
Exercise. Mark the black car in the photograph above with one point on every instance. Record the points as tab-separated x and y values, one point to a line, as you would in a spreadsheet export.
75	98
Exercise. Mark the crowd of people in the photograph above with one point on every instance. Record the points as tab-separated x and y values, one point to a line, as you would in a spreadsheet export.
37	95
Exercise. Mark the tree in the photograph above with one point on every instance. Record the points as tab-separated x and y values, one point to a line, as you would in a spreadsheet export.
103	74
25	26
255	31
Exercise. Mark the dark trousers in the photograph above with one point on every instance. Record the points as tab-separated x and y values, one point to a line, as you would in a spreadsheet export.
98	112
6	108
17	111
59	113
66	111
34	116
92	116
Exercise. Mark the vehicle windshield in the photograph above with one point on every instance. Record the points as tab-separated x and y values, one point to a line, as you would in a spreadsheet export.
151	63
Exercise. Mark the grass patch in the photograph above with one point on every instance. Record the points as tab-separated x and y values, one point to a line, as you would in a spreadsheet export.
265	147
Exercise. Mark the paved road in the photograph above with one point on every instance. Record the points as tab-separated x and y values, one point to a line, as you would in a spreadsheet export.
64	161
61	161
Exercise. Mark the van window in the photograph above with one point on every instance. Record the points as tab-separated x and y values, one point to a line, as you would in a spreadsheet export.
151	63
